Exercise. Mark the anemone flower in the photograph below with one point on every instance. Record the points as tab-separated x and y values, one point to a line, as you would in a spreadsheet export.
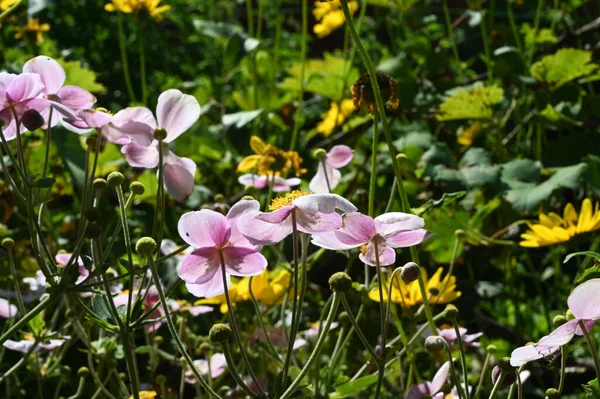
67	100
218	242
278	338
584	303
218	365
25	344
62	260
175	113
279	183
328	176
19	93
389	231
314	214
431	388
449	334
7	310
315	328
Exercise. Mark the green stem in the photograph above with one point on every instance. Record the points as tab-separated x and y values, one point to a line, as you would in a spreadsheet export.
452	368
483	375
127	237
592	347
303	40
563	366
452	39
233	370
382	316
373	177
318	346
160	197
142	50
9	10
261	320
513	28
32	313
292	337
13	271
497	384
125	64
463	359
536	25
21	361
249	18
486	45
79	389
359	332
324	164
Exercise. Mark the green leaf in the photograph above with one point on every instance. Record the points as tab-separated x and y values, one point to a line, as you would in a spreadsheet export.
78	75
353	387
541	36
100	307
592	389
591	254
37	324
70	149
562	67
240	119
446	200
557	118
474	104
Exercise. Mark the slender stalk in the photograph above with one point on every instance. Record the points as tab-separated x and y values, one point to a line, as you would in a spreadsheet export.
452	368
233	370
303	46
292	337
382	316
125	64
324	164
48	142
32	313
142	50
452	39
10	9
160	197
127	237
249	18
513	27
373	177
79	389
318	346
592	347
261	320
497	384
359	332
486	45
20	363
463	359
483	376
536	25
563	366
13	271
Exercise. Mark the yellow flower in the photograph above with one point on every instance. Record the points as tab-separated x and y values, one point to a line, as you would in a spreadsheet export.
33	26
553	229
469	134
269	160
331	16
146	395
134	6
408	295
6	4
335	117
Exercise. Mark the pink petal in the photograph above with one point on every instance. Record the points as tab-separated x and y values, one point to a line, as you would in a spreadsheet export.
339	156
256	181
136	114
387	256
277	216
211	288
242	261
204	228
176	112
200	309
357	229
135	123
5	79
139	132
25	86
419	390
402	239
331	241
94	118
325	203
9	130
200	266
318	183
282	184
179	176
584	301
77	126
440	378
51	73
529	353
449	334
167	246
259	232
392	222
54	343
561	335
243	209
19	346
76	98
316	223
7	310
139	156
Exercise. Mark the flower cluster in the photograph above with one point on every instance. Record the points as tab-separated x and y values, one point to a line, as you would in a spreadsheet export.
153	7
330	16
270	160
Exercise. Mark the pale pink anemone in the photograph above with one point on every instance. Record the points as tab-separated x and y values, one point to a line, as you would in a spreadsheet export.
389	231
18	94
67	100
431	388
215	236
279	183
315	328
277	337
135	126
7	310
584	303
62	260
25	344
449	334
218	365
327	171
169	246
314	213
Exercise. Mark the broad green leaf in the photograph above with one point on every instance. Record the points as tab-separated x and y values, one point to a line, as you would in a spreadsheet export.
78	75
556	118
446	200
353	387
474	104
533	37
37	324
562	67
592	389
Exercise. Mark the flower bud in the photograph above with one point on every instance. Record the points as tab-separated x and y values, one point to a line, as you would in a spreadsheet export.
8	243
145	246
559	320
319	153
92	214
83	372
401	157
552	393
137	188
91	142
160	134
205	347
65	371
451	312
434	344
219	333
460	234
100	184
340	282
509	378
123	376
115	179
410	272
158	340
161	379
344	318
247	198
219	198
93	231
505	365
491	349
569	315
32	120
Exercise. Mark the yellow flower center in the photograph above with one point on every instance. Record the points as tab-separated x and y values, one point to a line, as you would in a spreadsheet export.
286	200
363	249
28	337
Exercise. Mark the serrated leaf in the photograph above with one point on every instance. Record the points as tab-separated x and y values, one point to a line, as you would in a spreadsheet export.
562	67
474	104
541	36
78	75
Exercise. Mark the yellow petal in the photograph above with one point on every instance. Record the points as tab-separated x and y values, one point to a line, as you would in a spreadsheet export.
570	214
249	163
585	222
257	145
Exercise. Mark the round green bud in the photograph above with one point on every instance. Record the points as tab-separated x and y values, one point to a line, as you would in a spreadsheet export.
93	231
219	333
65	370
569	315
491	349
319	153
460	234
137	188
401	157
115	179
160	134
559	320
92	214
83	372
123	376
161	379
32	120
410	272
205	347
247	198
505	365
340	282
99	184
91	142
552	393
158	340
434	344
344	318
8	243
451	312
145	246
219	198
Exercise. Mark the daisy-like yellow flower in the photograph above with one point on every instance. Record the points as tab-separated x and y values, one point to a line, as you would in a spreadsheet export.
408	295
269	160
469	134
33	26
336	115
330	16
553	229
6	4
135	6
146	395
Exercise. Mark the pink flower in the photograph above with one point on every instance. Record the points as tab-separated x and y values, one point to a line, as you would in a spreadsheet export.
175	113
67	100
315	328
314	213
584	303
279	184
431	388
168	246
63	259
19	93
218	364
390	230
338	157
449	334
25	345
278	338
7	310
216	239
